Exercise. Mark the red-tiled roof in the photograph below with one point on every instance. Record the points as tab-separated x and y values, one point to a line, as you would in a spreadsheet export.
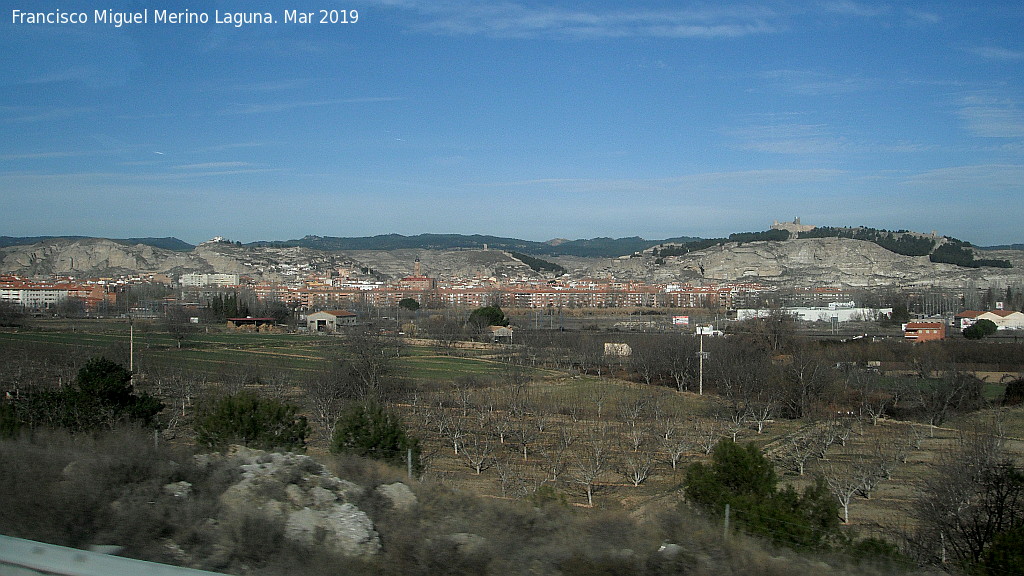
923	325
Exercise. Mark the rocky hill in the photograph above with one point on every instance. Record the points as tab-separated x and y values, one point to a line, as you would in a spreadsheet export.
810	262
93	257
803	262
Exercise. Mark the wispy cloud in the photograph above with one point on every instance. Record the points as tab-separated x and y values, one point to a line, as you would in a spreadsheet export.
736	180
30	114
921	17
812	83
212	165
510	19
788	139
993	118
1008	178
849	8
44	155
997	53
284	106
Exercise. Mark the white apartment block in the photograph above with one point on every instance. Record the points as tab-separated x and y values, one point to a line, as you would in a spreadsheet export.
208	280
33	297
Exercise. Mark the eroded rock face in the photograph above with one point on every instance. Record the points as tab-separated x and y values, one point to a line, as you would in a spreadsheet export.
312	504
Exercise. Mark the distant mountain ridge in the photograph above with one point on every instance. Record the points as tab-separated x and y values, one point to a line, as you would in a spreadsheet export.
601	247
591	248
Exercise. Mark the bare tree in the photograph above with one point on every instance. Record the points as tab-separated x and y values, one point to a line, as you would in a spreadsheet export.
804	379
797	451
675	448
590	460
478	453
510	478
706	433
636	466
843	485
975	493
874	400
325	399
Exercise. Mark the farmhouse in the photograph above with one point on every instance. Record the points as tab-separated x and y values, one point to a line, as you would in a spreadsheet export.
330	320
501	334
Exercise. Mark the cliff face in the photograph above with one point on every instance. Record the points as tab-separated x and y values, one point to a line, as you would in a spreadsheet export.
104	258
91	257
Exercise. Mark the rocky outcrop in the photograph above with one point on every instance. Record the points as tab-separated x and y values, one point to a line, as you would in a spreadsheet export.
91	257
294	491
804	263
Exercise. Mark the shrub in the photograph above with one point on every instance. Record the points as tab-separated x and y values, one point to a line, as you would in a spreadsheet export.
980	329
367	429
101	397
745	480
1014	393
247	419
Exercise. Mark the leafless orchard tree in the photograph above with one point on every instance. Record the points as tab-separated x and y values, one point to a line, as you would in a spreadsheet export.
456	432
843	485
873	398
478	453
804	380
675	447
666	420
974	494
510	477
706	433
554	461
590	461
636	466
798	449
325	401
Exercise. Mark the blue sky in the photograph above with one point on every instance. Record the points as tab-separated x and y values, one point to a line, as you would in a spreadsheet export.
532	119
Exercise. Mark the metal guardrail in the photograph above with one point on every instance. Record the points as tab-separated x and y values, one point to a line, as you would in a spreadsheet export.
20	557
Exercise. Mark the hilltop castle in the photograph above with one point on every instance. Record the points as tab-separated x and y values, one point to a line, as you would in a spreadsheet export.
792	227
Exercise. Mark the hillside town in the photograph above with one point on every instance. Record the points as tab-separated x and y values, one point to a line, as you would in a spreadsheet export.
340	292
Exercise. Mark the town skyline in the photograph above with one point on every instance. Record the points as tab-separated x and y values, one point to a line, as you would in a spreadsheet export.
533	120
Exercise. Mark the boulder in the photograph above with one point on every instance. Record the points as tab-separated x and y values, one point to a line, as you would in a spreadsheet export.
312	505
399	495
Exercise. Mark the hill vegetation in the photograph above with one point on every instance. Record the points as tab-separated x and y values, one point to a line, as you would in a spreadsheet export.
941	250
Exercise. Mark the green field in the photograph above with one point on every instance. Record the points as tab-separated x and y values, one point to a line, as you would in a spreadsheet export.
218	352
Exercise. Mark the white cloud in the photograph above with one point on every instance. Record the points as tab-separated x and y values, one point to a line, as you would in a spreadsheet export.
789	139
993	118
997	53
212	165
860	9
510	19
969	181
810	83
284	106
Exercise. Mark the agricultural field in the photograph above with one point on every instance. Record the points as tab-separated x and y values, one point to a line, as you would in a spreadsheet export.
550	430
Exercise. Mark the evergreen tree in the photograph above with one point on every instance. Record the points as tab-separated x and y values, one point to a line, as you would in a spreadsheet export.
367	429
745	480
250	420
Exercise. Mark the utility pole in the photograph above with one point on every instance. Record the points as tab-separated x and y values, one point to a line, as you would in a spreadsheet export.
131	345
701	355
